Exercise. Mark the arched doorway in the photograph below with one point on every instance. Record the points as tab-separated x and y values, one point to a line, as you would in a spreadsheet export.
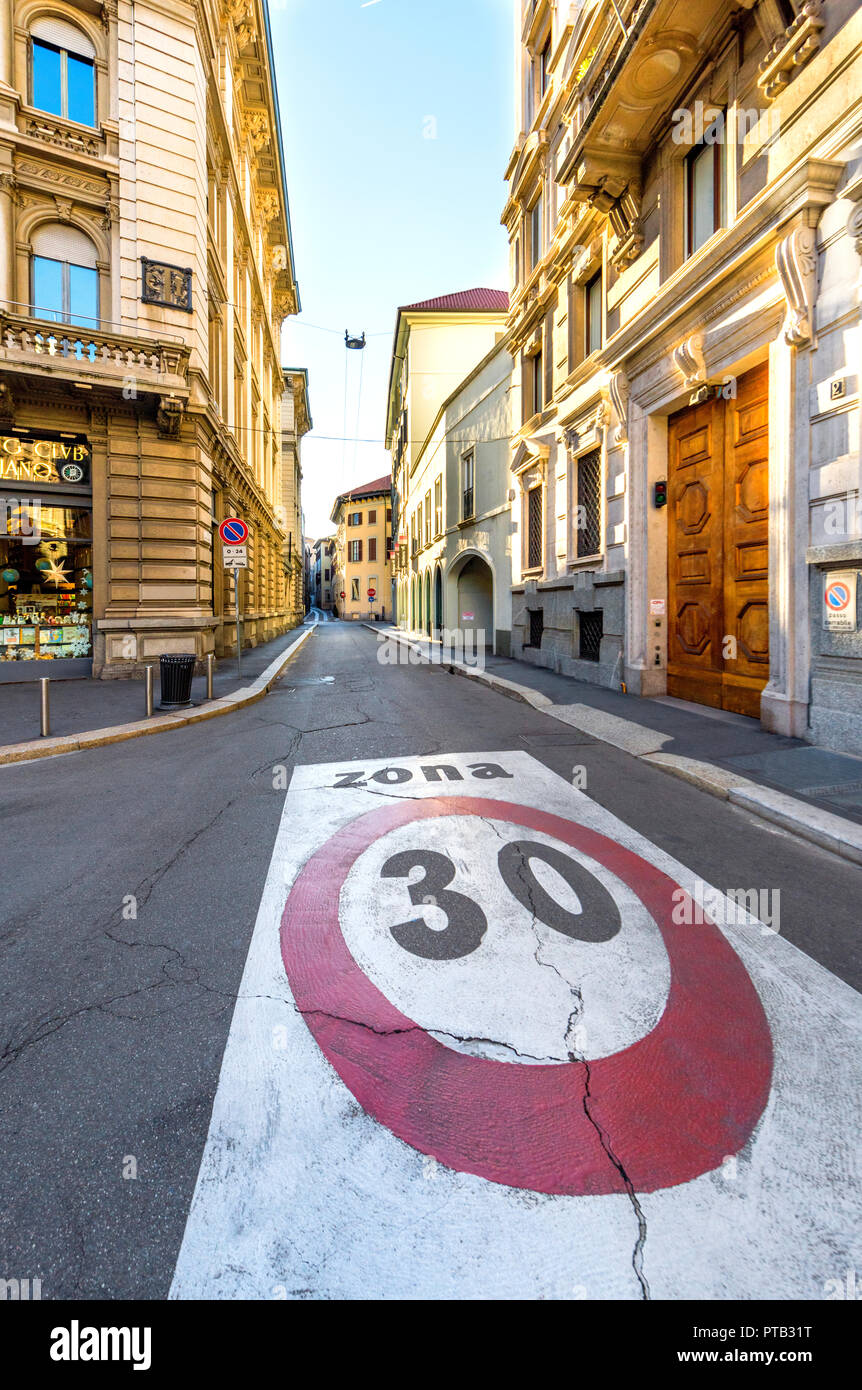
428	602
475	589
413	604
438	600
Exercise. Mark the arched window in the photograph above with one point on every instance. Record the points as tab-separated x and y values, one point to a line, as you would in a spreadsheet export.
63	71
64	277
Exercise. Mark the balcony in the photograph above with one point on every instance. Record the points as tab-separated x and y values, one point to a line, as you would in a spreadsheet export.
93	356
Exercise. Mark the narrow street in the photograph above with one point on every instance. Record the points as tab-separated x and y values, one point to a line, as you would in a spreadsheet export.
195	1102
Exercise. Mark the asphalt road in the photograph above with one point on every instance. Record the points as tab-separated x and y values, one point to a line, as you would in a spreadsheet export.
132	877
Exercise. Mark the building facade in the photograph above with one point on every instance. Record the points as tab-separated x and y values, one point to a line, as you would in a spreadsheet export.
295	422
436	347
361	574
145	270
684	212
323	575
458	516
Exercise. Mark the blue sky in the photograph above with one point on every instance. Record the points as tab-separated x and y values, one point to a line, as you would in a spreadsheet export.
397	124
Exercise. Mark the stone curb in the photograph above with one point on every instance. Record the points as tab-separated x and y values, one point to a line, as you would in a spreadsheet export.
823	828
38	748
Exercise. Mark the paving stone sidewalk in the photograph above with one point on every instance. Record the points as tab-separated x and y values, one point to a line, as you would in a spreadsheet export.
79	706
831	781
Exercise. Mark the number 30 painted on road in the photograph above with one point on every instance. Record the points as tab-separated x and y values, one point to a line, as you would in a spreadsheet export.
658	1113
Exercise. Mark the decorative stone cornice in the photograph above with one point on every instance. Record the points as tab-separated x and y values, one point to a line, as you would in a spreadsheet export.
689	360
796	263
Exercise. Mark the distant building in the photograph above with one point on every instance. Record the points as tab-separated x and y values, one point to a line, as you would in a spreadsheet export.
437	346
363	518
323	573
295	422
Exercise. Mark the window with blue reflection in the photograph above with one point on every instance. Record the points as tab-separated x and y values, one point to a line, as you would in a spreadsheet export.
81	90
83	296
47	78
48	288
65	293
64	84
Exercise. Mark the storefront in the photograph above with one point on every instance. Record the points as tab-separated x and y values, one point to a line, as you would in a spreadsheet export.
46	556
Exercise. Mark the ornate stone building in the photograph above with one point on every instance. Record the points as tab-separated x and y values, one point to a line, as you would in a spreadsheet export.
684	219
146	267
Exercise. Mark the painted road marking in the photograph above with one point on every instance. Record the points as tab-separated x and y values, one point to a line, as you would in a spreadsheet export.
535	1084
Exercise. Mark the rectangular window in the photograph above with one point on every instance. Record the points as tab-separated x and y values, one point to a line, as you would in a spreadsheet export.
354	590
372	548
536	233
536	381
372	517
428	517
591	627
593	314
534	528
468	500
63	83
65	293
354	518
704	191
590	503
544	64
438	506
536	618
354	552
388	516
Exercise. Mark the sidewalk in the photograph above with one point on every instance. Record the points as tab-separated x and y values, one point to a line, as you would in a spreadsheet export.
727	754
84	706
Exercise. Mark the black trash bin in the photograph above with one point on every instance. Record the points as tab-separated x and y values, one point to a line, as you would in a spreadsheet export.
176	681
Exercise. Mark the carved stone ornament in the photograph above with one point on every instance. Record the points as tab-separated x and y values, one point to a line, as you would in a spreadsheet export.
796	262
603	415
799	42
165	284
268	204
257	128
169	416
619	390
854	227
689	360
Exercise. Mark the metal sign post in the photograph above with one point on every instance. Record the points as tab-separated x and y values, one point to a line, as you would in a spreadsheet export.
234	534
236	617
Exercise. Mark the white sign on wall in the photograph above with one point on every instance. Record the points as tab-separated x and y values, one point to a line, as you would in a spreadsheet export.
839	601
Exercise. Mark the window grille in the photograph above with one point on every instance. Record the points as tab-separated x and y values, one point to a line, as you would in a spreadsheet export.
591	630
590	504
534	528
537	626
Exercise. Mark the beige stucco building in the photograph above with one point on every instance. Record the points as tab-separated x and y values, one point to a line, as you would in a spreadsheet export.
361	574
454	575
438	344
685	201
145	271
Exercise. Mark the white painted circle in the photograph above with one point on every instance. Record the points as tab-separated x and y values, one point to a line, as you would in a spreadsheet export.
527	993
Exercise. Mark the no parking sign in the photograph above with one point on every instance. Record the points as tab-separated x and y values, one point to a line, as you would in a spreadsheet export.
839	602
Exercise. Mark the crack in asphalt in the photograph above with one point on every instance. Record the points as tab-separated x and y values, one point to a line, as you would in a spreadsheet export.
574	1055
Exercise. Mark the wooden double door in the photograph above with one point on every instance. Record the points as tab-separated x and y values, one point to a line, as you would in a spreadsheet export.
718	549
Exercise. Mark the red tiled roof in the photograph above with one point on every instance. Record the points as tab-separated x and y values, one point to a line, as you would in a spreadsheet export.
383	484
482	300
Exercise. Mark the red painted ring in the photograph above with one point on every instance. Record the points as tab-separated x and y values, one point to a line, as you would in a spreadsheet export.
668	1108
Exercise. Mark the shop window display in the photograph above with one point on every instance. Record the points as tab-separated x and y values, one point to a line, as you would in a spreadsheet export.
46	585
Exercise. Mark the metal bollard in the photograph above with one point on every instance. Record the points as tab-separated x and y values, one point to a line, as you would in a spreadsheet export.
46	707
210	662
150	670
